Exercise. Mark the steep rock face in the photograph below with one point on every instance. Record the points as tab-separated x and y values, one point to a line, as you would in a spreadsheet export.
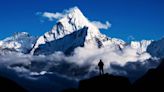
20	42
74	21
156	48
65	44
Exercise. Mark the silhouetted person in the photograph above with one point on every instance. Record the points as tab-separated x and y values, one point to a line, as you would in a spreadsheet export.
101	69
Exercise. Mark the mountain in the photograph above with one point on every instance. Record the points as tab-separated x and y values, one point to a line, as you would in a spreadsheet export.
72	22
152	80
71	31
156	48
20	42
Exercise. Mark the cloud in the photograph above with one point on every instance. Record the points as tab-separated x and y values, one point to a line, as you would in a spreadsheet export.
107	54
100	25
134	70
52	16
56	16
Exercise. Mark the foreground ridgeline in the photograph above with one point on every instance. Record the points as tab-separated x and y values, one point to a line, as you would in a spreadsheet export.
105	82
7	85
151	81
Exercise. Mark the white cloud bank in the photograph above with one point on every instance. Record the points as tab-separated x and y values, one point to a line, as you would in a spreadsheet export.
87	56
82	63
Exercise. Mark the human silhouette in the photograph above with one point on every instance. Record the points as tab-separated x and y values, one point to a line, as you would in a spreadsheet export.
101	69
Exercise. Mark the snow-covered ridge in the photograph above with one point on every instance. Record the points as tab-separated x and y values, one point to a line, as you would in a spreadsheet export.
20	41
141	46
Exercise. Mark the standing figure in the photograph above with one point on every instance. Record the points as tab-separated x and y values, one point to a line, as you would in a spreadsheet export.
101	69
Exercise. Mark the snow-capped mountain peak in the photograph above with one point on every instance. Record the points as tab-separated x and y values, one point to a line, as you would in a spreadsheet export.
73	21
80	31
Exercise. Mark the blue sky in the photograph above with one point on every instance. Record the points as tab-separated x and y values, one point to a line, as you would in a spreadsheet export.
137	19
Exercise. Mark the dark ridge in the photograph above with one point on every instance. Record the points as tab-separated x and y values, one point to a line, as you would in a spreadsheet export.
103	83
7	85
